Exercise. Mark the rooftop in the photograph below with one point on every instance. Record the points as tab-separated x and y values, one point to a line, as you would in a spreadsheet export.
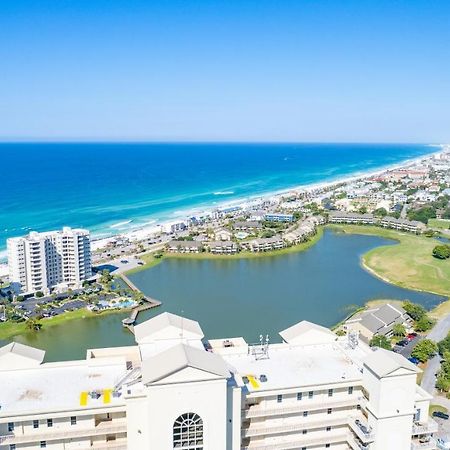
299	366
59	386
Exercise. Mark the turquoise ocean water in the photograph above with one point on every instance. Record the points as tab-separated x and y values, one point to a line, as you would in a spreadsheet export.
114	188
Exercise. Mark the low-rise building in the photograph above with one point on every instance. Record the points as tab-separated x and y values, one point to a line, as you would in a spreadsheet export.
412	226
265	244
222	247
278	217
248	225
184	247
378	321
350	217
222	234
171	390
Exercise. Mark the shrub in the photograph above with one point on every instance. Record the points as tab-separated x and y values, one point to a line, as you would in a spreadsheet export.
416	312
441	251
380	341
39	294
424	324
424	350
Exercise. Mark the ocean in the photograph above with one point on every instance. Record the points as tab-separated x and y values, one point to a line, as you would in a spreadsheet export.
113	188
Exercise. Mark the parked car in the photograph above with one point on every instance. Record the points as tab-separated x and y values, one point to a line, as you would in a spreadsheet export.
414	360
440	415
411	336
403	343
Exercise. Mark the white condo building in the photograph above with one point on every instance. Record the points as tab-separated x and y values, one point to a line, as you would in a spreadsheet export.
40	261
176	391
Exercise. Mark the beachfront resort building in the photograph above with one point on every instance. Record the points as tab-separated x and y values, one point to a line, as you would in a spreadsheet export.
42	261
174	390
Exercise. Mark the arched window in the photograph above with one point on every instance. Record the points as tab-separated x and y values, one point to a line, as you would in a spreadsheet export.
188	432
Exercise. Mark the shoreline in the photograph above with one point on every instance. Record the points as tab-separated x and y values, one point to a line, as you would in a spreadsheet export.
153	226
241	255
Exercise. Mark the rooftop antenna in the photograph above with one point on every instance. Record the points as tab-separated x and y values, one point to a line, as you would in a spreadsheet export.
261	350
353	340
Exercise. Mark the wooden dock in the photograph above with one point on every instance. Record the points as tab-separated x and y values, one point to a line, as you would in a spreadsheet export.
149	304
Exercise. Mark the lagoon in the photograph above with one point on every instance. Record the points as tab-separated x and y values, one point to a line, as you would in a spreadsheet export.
244	297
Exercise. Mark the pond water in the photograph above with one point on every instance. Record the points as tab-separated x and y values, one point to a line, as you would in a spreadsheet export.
243	297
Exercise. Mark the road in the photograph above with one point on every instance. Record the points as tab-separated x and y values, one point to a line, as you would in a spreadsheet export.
439	331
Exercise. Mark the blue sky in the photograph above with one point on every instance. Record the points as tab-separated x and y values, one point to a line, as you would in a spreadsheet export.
304	70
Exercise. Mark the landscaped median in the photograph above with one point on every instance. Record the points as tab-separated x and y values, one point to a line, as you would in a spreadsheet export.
408	264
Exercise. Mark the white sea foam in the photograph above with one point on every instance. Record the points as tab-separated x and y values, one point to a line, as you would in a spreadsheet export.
224	193
121	224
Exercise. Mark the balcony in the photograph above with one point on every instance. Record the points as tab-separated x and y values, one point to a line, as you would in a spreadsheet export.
303	441
425	428
430	444
361	428
291	428
355	444
103	428
303	405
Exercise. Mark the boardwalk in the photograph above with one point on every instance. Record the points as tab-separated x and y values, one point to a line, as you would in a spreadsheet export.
149	304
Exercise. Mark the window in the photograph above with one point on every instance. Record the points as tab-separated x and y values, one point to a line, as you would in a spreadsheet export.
73	420
299	395
43	444
327	445
310	394
304	431
279	398
35	423
350	390
12	446
49	423
10	426
188	432
329	410
330	392
305	413
328	428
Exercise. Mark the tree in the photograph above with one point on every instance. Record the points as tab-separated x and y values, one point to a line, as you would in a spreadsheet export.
380	341
444	345
105	277
399	330
441	251
423	324
33	324
414	310
422	214
380	212
424	350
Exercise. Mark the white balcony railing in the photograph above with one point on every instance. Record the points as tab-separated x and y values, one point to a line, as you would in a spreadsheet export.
303	405
50	434
304	441
425	428
429	445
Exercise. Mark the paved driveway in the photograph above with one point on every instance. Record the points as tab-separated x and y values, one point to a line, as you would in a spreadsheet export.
439	331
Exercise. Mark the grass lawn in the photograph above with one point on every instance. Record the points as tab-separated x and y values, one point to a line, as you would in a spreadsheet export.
10	329
439	223
436	408
151	261
408	264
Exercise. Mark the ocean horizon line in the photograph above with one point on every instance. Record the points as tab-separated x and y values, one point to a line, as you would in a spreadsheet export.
211	142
